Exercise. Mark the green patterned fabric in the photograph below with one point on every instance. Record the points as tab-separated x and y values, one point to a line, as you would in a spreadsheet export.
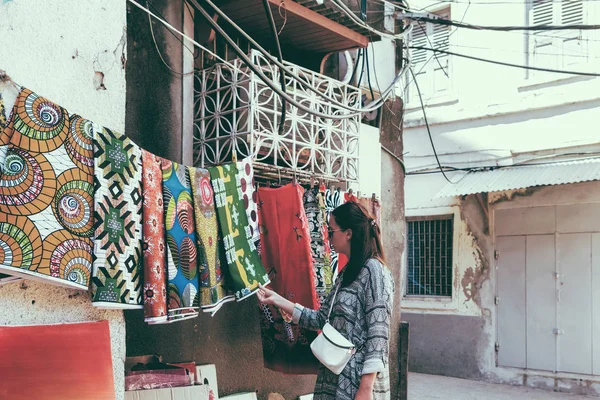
245	269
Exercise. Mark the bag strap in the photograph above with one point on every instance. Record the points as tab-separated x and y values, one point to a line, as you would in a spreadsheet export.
332	301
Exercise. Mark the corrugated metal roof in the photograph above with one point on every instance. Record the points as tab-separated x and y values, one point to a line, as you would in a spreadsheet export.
524	176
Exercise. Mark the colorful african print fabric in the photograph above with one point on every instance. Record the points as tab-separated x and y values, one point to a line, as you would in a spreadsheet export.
314	207
118	268
333	199
182	255
287	256
153	232
245	270
249	196
46	197
213	293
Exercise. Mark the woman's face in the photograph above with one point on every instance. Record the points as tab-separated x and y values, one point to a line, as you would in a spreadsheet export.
339	239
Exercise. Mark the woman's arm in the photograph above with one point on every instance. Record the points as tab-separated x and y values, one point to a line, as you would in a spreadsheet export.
268	296
305	317
379	292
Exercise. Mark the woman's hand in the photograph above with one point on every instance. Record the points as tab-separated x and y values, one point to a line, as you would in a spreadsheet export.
267	296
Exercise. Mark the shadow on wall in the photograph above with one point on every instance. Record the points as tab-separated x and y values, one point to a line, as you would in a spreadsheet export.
231	340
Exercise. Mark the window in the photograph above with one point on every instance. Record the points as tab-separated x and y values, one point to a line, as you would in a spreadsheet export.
556	49
429	271
432	71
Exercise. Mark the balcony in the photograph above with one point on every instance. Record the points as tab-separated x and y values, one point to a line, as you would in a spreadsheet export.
235	111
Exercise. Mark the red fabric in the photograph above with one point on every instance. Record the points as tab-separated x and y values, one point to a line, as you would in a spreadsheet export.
153	229
350	197
287	257
56	362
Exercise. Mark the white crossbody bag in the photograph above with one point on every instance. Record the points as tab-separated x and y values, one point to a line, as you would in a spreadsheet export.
331	348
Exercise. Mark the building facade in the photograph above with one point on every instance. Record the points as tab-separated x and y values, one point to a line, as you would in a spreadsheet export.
500	266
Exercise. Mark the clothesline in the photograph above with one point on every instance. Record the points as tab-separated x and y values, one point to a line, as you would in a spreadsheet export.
85	207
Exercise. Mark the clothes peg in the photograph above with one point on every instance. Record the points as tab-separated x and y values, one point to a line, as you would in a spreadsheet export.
350	191
234	156
358	194
312	181
279	176
294	179
374	197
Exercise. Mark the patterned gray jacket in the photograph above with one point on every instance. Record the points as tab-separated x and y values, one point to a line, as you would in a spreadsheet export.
362	313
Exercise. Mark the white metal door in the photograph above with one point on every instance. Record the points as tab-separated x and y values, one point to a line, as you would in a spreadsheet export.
548	288
511	302
574	325
540	292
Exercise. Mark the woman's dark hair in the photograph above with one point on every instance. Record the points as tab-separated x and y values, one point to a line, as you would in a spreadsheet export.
366	238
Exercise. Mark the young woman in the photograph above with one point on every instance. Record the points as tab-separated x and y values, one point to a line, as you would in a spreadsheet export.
361	311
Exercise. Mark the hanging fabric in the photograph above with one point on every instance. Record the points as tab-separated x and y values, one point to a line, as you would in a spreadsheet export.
182	255
314	207
287	256
245	268
153	232
249	196
213	293
118	267
333	199
350	197
3	116
46	197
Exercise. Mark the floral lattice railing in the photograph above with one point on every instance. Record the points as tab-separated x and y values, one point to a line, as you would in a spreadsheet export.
236	110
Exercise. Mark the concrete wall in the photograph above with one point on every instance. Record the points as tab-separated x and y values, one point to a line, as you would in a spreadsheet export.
57	49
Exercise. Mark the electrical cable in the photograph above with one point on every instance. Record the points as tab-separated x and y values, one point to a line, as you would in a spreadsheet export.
358	56
269	13
496	167
371	107
442	21
251	65
258	70
363	14
172	28
369	74
437	159
364	25
148	4
431	45
558	71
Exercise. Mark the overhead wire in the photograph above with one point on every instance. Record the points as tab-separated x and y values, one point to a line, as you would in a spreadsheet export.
442	21
506	64
346	10
258	70
437	159
271	20
241	54
371	107
160	55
